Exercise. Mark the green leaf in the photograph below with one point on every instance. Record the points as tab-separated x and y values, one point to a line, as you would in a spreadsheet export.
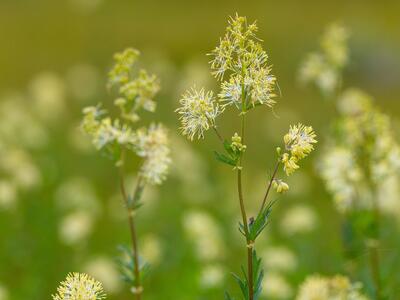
225	159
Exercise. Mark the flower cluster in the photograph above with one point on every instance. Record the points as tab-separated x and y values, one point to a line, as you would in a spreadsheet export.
241	55
135	92
198	111
237	143
79	286
363	156
152	144
325	288
241	64
323	67
299	143
113	136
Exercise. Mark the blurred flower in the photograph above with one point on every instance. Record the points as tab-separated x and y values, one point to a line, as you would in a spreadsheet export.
212	276
353	102
198	111
77	193
323	68
151	249
83	81
298	219
19	127
279	258
204	233
79	286
20	168
334	44
194	184
152	145
47	90
8	195
4	295
105	270
276	286
75	227
362	154
316	287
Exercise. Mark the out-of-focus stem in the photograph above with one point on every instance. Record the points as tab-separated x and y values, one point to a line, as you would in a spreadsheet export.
132	228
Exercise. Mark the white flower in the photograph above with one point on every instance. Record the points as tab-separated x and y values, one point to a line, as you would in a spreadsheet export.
198	111
211	276
274	285
78	286
75	227
298	219
152	145
279	258
317	287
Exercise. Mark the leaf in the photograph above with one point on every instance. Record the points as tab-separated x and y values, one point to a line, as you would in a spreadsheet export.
224	159
261	221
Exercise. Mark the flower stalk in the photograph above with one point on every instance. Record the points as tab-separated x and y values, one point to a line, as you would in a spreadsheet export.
241	64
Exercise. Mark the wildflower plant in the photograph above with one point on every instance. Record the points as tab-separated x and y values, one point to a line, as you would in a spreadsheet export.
242	67
121	136
360	164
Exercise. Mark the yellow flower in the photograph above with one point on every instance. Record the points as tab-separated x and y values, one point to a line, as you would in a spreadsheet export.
280	186
289	163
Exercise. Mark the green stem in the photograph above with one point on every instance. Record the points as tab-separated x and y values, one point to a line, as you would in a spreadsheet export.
132	228
374	260
250	244
269	186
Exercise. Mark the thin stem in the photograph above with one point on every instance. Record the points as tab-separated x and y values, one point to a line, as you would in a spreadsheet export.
132	229
269	186
217	133
250	244
375	268
374	255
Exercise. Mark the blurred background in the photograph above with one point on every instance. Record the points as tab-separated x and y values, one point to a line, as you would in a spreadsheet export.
60	208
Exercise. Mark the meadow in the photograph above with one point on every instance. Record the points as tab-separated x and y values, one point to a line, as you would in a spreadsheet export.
213	150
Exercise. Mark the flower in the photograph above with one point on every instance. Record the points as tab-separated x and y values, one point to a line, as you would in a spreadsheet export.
237	143
79	286
276	286
298	219
299	142
198	111
324	67
124	61
280	186
152	145
240	54
317	287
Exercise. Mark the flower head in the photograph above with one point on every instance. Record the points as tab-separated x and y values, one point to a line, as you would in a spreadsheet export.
299	143
198	111
78	286
241	58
